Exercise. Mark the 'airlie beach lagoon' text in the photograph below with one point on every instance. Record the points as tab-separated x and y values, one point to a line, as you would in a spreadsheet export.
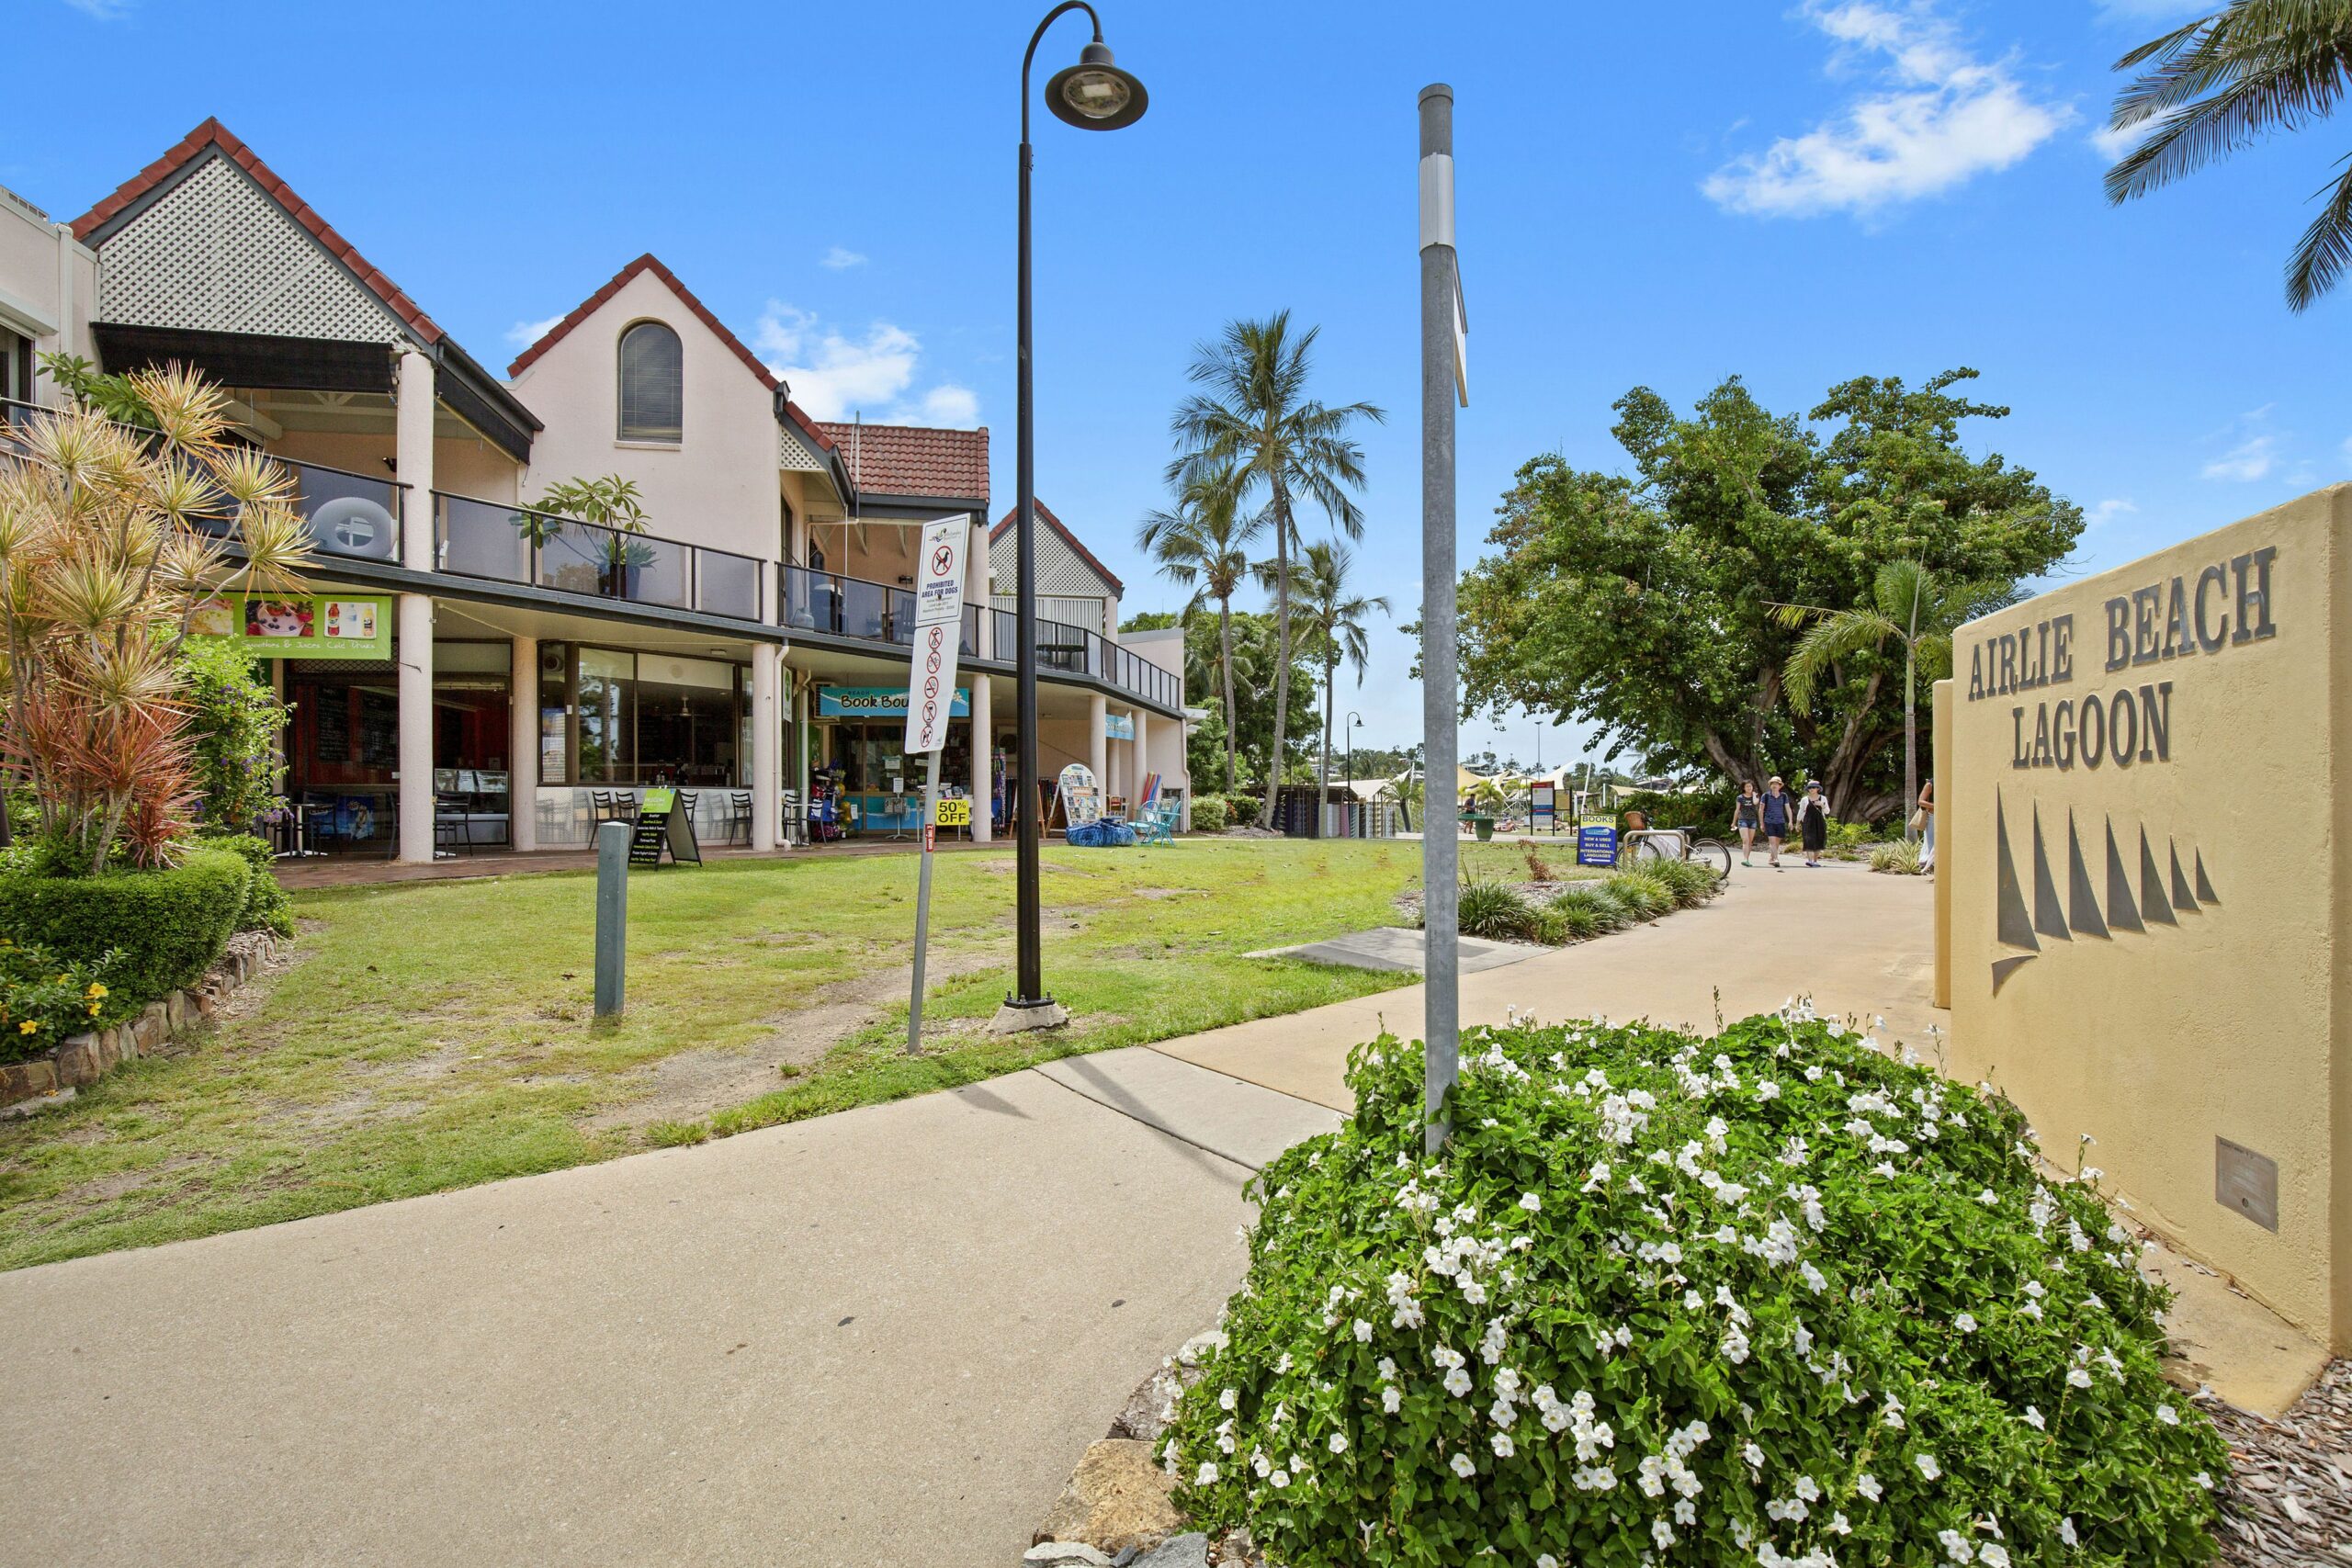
2227	605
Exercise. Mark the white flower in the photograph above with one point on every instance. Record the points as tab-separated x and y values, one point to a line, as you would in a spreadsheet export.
1283	1365
1987	1198
1992	1554
1228	1399
1206	1477
1363	1331
1390	1400
1807	1488
1545	1560
1867	1484
2203	1479
2164	1414
1966	1323
1662	1533
1281	1479
2033	1419
1501	1444
1753	1455
1531	1202
2066	1532
1927	1466
1457	1383
2078	1377
1464	1467
1957	1547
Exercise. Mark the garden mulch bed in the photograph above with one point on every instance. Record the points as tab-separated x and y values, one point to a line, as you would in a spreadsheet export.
1408	902
2290	1493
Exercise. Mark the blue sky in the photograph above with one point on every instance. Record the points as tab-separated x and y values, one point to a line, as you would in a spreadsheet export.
1659	195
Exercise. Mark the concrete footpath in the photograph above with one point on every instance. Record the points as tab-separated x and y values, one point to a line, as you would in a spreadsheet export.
1856	943
876	1338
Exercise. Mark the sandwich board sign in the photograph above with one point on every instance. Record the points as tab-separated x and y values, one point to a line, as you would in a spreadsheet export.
931	700
663	824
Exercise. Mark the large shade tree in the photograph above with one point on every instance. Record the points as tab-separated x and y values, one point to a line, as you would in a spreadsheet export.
1203	544
1251	720
1644	602
2225	81
1254	425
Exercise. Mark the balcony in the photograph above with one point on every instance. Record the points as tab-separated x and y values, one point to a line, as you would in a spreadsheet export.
350	515
872	612
514	544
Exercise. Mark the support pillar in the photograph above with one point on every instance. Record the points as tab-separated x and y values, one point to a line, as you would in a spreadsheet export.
522	746
412	614
983	752
1139	750
801	740
767	743
1098	741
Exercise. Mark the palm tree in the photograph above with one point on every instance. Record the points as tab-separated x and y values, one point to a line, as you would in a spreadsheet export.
1909	603
2226	80
1255	425
1334	619
1200	546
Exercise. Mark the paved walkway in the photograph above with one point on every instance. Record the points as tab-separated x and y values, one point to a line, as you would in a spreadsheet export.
1859	944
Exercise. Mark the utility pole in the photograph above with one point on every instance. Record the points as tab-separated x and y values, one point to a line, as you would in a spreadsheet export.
1444	377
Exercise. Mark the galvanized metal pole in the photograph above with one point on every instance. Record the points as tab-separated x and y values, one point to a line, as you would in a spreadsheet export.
612	916
1441	819
922	905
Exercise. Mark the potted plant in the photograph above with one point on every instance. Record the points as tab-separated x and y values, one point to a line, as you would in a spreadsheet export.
1489	798
612	504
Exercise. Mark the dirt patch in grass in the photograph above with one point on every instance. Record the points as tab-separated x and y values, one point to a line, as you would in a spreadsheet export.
688	1085
123	1183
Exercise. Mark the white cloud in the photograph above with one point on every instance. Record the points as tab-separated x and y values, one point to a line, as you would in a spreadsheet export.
841	257
2107	510
2152	10
102	10
523	335
1934	118
2111	144
2249	460
834	374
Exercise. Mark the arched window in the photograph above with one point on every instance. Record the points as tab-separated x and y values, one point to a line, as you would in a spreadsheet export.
653	384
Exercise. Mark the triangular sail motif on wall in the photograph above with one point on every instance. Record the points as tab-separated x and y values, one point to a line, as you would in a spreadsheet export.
2154	905
2049	913
2159	889
2015	927
2082	899
2122	909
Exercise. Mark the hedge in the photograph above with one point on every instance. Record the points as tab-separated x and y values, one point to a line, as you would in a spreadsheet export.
266	907
1210	813
169	925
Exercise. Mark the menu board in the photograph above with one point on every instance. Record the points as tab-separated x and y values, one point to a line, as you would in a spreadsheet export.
333	707
379	729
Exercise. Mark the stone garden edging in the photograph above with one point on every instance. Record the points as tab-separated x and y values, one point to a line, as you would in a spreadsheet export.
53	1078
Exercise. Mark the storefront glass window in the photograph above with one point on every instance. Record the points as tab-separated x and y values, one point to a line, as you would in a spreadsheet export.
607	716
555	713
685	719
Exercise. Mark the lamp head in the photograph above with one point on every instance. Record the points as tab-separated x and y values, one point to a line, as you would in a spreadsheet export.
1095	94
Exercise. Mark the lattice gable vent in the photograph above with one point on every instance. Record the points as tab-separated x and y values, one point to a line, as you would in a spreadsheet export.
1060	569
798	454
214	253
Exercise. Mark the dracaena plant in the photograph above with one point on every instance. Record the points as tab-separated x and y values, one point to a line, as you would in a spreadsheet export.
111	539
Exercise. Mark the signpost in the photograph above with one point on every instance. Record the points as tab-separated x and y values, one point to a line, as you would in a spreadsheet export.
931	699
662	824
1444	377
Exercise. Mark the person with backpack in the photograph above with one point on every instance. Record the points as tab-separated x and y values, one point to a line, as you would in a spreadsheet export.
1773	810
1813	822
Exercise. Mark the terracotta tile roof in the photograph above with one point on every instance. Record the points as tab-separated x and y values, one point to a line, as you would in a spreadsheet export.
912	459
213	134
1045	516
650	263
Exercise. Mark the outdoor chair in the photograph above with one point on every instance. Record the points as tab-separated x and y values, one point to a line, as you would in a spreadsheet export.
450	827
601	806
739	816
1157	824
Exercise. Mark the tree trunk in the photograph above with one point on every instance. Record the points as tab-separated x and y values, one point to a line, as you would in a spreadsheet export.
1225	656
1322	805
1842	777
1910	744
1282	646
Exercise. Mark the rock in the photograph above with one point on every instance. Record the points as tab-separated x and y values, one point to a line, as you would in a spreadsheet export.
1199	1348
155	1026
108	1049
1116	1498
1190	1550
77	1060
1145	1415
206	1002
176	1013
35	1107
1235	1549
1063	1554
23	1080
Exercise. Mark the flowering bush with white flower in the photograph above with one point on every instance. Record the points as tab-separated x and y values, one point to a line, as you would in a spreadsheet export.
1773	1298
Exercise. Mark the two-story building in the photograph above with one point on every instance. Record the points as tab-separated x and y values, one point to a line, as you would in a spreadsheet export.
474	670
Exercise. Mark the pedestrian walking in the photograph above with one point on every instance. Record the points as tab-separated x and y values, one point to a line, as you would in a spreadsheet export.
1924	820
1773	810
1747	815
1813	822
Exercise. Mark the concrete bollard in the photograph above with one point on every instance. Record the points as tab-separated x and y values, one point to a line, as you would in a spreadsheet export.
612	916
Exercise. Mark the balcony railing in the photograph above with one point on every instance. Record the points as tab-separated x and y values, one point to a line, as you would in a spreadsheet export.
351	515
851	606
514	544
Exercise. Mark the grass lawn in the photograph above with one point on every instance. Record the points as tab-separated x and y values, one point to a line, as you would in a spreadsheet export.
435	1034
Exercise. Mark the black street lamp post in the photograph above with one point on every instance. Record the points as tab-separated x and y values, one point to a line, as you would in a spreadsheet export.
1355	722
1093	94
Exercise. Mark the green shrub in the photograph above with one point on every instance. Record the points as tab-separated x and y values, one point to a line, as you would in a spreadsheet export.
1646	897
1690	882
45	999
1848	840
1245	810
1210	814
169	924
1549	926
1899	857
1772	1298
1708	811
235	724
266	907
1586	912
1496	910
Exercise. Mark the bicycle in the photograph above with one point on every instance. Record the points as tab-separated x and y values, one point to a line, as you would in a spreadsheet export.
1674	844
